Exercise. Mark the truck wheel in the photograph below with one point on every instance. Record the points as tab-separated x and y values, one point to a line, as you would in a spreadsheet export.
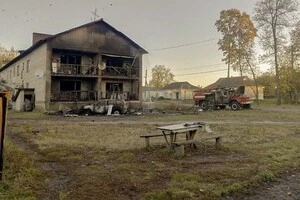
116	112
87	112
203	105
235	105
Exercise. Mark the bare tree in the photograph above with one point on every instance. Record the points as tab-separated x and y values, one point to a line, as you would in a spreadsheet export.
273	17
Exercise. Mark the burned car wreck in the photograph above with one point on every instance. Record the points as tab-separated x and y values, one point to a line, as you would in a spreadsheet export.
105	106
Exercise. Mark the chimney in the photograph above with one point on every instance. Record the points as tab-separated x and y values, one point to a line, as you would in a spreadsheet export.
39	36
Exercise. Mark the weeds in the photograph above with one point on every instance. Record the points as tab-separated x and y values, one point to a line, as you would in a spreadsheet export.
22	178
112	157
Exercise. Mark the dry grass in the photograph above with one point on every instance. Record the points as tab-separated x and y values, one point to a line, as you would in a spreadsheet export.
21	176
111	156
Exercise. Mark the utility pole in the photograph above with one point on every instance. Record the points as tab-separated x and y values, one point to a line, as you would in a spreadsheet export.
146	85
147	92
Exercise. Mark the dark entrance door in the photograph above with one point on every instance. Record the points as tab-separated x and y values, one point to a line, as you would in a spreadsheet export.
113	90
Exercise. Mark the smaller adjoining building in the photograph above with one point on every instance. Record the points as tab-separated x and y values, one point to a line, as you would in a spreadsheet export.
245	82
173	91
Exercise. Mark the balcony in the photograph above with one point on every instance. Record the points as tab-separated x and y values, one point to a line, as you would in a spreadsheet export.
73	70
125	72
74	96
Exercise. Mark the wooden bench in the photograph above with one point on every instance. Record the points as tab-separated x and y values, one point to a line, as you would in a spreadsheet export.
178	146
218	137
148	136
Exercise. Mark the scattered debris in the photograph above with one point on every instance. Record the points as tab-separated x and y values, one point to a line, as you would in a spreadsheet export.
39	130
70	115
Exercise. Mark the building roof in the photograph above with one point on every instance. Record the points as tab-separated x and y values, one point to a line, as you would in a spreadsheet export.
144	88
41	42
231	82
180	85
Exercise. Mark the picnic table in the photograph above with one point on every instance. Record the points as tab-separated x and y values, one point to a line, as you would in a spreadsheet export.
190	129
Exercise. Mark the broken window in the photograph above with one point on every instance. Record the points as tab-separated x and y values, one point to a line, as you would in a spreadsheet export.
70	85
119	65
71	64
70	59
113	90
27	65
18	70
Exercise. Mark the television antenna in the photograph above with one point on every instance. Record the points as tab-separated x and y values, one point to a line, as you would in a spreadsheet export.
95	15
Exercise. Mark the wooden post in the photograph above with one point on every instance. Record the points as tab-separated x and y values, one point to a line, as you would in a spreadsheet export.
147	139
219	142
3	114
179	150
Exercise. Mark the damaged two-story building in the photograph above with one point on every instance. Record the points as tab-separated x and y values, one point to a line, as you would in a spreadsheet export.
87	63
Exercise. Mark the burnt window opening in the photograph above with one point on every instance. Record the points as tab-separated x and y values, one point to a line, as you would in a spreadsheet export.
70	85
18	70
113	90
70	59
120	65
114	87
117	61
71	64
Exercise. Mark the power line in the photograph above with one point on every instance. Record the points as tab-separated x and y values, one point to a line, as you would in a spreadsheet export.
205	72
183	45
201	66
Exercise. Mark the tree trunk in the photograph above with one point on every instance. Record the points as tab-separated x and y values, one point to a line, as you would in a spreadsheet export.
294	78
277	75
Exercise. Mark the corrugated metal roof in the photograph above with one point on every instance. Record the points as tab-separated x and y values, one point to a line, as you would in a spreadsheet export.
41	42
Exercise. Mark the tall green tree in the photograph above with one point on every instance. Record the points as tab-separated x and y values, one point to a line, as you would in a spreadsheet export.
272	18
268	81
161	76
238	38
290	67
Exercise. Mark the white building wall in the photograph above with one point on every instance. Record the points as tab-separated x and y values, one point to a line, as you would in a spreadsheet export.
29	72
250	91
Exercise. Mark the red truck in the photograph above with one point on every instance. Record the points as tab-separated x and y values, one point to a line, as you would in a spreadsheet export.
222	97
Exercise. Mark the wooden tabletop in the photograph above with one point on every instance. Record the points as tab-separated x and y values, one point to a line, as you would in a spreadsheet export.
188	126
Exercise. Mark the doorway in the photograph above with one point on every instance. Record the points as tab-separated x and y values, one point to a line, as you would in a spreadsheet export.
113	90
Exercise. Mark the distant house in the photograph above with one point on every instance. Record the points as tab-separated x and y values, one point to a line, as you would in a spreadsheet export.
86	63
176	91
235	82
148	93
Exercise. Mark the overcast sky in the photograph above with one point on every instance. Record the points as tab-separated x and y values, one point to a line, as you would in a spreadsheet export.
153	24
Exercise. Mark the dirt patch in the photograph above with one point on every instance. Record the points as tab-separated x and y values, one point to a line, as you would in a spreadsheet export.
56	173
286	187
